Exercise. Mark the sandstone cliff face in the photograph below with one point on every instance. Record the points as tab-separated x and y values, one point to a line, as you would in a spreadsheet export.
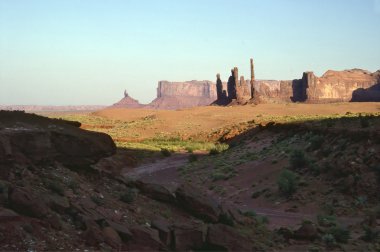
205	89
178	95
343	86
333	86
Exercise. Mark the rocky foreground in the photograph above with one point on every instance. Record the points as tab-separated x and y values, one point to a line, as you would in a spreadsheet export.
55	195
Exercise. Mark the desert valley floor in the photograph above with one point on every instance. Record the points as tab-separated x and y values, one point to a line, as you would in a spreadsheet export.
257	177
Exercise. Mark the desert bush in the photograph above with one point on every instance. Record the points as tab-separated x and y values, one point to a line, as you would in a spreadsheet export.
55	186
340	234
298	159
250	213
260	219
287	182
326	220
166	152
72	184
128	196
329	239
218	175
316	142
364	122
218	149
226	219
97	200
370	234
189	149
192	158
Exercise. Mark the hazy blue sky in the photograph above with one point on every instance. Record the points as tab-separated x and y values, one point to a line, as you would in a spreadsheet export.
88	51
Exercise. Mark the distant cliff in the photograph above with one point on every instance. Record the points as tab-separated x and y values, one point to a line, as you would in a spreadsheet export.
177	95
333	86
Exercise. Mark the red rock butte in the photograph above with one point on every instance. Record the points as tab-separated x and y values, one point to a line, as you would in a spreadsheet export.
354	85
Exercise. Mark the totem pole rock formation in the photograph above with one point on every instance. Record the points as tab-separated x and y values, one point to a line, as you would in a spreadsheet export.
252	82
219	87
238	90
231	85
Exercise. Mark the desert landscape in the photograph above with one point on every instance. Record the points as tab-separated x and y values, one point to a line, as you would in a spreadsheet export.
238	178
257	130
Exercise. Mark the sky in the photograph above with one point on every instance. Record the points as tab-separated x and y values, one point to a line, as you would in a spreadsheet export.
74	52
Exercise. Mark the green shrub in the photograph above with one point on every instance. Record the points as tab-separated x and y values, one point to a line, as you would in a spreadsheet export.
326	220
329	239
218	149
56	187
287	182
364	122
298	159
166	152
97	200
370	234
316	142
226	219
250	213
340	234
128	196
217	175
256	194
72	184
192	158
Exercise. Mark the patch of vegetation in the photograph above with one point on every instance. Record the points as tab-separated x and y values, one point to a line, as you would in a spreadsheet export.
166	152
329	240
72	184
316	142
218	149
287	182
192	158
298	159
226	219
260	219
370	234
326	220
364	121
97	200
55	186
340	234
129	195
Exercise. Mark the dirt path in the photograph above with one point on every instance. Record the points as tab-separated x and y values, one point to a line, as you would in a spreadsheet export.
165	171
162	170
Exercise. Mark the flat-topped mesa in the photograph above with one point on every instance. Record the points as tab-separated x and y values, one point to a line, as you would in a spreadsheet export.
252	82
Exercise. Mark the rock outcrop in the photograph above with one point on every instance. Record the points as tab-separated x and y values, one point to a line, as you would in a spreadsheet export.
31	138
333	86
178	95
127	102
